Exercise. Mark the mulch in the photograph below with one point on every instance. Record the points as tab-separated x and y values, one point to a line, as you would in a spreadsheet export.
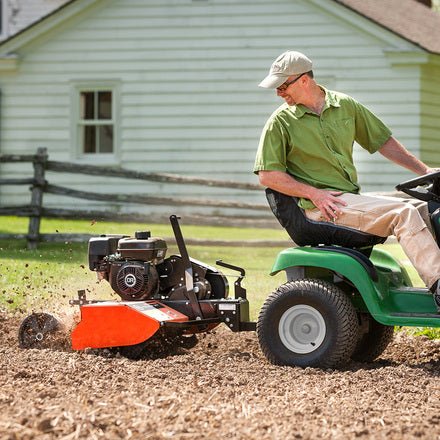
222	388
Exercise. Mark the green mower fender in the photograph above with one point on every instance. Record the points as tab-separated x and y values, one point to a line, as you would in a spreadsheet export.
385	289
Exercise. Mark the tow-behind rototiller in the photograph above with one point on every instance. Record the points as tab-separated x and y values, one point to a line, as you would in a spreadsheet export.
341	301
166	299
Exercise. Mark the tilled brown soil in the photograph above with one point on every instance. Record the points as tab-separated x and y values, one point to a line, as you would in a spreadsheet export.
222	388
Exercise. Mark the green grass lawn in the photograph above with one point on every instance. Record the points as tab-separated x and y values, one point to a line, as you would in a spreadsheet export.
42	278
46	278
19	225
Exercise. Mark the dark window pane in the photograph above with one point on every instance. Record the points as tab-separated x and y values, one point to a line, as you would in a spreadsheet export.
106	139
104	105
89	139
87	105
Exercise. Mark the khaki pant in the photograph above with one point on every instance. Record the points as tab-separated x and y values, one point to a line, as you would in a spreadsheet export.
408	220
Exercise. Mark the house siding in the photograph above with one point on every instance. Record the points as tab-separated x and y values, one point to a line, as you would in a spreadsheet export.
187	75
430	114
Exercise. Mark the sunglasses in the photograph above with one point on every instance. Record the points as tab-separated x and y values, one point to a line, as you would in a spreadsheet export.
284	86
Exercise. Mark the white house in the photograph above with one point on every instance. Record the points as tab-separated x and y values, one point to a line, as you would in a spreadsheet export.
171	85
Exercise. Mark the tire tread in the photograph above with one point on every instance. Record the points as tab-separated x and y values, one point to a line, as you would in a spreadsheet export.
372	344
348	326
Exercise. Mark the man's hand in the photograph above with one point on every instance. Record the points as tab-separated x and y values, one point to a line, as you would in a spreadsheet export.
328	202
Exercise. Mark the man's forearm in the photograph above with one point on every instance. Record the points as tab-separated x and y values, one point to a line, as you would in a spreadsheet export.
393	150
286	184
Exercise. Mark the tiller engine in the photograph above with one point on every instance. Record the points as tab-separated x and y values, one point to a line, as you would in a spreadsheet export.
173	297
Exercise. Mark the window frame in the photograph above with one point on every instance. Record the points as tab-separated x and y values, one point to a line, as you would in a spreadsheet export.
77	149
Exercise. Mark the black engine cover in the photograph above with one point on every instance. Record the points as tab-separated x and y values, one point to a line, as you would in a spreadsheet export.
134	280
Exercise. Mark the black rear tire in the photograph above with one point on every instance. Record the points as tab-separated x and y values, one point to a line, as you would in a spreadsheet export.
372	342
308	323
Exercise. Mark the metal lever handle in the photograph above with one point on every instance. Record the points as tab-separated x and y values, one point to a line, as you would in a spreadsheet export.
189	278
232	267
240	291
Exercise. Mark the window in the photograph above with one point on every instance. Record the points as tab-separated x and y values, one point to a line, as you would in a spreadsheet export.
96	122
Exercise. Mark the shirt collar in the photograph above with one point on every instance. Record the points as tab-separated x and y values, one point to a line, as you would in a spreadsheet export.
331	100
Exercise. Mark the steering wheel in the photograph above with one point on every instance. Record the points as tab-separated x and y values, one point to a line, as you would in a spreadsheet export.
426	187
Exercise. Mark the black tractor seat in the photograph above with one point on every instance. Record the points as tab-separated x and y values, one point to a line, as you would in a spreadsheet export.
306	232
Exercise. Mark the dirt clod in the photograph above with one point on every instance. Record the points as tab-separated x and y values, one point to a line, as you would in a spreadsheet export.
221	388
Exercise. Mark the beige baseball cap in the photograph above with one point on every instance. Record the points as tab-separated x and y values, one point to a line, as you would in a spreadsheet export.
287	64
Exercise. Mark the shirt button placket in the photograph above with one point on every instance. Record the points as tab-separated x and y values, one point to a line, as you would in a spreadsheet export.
325	134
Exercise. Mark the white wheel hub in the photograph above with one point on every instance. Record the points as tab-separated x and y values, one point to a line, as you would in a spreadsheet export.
302	329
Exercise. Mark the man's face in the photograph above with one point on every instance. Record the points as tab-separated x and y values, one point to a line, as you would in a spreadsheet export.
290	90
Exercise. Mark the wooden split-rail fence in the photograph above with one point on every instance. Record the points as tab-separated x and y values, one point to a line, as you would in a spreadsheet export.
39	186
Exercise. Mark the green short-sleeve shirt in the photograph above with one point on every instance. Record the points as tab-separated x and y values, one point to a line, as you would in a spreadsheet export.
318	149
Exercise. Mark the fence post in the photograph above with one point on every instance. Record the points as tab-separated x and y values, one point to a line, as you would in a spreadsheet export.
39	163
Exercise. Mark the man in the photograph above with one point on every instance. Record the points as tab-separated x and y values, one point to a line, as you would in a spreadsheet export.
306	151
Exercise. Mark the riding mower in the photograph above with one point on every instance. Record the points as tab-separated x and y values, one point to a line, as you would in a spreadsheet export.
343	297
341	301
